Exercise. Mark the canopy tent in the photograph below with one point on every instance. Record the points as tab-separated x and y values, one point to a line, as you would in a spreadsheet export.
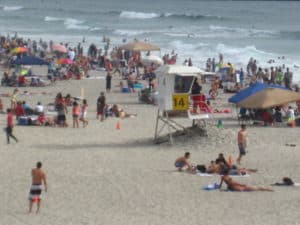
30	60
140	46
262	96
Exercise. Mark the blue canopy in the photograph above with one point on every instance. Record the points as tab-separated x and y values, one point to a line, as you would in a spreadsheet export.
257	87
30	60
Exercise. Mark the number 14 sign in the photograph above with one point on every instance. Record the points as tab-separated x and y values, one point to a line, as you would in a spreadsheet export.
180	102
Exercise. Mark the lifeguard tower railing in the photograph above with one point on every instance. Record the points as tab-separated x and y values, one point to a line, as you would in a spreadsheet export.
185	105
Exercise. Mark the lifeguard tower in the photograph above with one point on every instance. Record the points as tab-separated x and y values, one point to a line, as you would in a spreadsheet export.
175	101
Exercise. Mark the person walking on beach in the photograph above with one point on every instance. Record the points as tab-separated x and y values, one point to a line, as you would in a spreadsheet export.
10	125
38	179
242	142
101	105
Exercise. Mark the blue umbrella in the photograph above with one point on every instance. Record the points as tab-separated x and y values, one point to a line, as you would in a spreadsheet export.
253	89
30	60
263	96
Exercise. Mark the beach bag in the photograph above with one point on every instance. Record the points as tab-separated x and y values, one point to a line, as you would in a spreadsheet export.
201	168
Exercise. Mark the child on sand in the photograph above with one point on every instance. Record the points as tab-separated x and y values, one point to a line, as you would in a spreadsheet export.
242	142
76	113
84	107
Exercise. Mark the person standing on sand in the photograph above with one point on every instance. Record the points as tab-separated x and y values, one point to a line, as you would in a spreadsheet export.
108	82
38	179
242	142
101	105
10	125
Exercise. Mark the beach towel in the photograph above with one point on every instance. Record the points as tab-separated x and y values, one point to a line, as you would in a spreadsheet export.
211	174
204	174
211	187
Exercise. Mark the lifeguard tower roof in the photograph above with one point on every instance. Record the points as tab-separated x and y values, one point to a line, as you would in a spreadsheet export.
178	69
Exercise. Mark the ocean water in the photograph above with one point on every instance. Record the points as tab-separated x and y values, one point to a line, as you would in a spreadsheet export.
193	28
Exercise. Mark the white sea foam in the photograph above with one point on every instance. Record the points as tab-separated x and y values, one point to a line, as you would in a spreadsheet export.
138	15
52	19
241	32
12	8
74	24
129	32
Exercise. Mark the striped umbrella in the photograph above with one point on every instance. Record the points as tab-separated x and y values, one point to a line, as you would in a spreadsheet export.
19	50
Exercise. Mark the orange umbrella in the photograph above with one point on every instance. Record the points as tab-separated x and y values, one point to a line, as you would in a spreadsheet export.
65	61
19	50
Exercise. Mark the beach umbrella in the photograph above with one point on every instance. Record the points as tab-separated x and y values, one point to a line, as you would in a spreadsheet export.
263	96
30	60
140	46
59	48
65	61
19	50
148	60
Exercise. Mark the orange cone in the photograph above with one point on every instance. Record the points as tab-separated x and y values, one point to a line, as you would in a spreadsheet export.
118	127
230	161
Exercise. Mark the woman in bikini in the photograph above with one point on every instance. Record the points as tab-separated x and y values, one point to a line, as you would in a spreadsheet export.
235	186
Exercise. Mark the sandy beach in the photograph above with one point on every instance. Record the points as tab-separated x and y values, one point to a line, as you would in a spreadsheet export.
100	175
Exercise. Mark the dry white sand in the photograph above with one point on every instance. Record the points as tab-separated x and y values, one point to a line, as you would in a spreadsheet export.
100	175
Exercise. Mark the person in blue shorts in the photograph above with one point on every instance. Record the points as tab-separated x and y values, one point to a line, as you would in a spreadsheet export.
183	162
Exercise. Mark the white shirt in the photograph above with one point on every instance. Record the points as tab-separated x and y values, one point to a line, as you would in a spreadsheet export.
39	108
71	55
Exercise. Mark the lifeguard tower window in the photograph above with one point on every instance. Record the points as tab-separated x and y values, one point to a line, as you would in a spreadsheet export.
183	83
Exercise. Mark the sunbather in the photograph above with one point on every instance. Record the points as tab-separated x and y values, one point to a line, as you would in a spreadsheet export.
286	181
119	112
235	186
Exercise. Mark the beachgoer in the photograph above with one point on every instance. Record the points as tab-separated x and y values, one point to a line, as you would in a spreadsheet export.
242	142
221	159
13	99
76	113
235	186
286	181
288	77
38	179
101	105
39	108
119	112
183	162
108	82
83	115
1	106
61	114
10	125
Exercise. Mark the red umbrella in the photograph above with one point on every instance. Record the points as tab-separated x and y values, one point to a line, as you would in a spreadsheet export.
65	61
59	48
